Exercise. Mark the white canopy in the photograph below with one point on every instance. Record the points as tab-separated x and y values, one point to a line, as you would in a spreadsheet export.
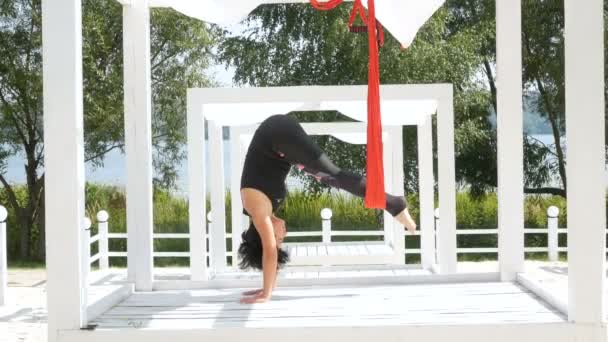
349	138
402	18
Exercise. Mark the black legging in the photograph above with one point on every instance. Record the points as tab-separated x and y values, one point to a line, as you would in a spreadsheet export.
298	148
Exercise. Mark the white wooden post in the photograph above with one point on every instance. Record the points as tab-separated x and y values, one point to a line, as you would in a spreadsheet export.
138	142
3	252
244	147
510	139
553	234
235	192
427	193
218	202
63	164
326	215
396	134
389	221
86	247
196	188
436	228
102	227
584	58
447	183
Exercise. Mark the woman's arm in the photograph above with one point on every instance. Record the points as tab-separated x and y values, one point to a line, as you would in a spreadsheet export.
270	255
259	207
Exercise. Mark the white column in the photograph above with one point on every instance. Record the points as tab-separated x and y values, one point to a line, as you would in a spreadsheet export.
235	191
138	142
510	139
447	183
63	164
244	147
426	191
389	221
196	188
584	48
3	252
396	134
217	229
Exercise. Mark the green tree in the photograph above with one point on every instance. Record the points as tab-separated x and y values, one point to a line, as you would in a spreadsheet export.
180	54
543	76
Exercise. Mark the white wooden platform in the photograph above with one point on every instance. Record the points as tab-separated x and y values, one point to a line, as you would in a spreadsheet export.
330	311
25	319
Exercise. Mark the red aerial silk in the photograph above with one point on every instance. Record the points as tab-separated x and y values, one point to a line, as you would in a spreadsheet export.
375	194
325	5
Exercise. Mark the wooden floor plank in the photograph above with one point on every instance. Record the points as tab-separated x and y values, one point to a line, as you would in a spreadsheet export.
475	303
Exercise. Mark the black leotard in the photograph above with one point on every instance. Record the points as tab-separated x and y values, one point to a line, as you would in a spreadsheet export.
269	157
280	142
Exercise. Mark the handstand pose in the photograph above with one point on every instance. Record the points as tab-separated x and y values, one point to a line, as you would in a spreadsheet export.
278	144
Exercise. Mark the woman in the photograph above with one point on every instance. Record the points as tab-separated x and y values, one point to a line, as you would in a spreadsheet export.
277	145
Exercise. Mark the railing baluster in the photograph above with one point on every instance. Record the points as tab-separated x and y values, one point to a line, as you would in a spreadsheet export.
326	215
102	219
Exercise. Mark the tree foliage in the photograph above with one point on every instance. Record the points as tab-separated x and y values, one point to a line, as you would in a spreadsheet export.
294	44
180	54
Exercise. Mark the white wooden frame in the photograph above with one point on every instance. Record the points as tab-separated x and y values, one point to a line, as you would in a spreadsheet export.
393	149
3	257
311	96
64	172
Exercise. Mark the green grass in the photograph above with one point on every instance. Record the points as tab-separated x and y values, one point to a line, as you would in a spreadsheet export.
25	265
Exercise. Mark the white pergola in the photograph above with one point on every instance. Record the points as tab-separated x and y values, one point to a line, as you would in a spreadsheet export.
64	169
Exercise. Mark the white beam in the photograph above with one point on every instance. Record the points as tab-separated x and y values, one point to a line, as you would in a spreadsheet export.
3	257
64	164
138	142
314	94
426	191
500	332
387	152
197	191
324	128
235	193
510	139
217	228
584	57
447	185
396	134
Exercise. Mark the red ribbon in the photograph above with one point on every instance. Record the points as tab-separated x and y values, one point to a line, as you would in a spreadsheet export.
375	194
326	5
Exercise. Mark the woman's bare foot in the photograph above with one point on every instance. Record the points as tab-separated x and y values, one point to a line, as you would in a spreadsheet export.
405	219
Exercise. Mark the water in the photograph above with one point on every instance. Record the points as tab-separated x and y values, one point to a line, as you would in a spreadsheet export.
114	173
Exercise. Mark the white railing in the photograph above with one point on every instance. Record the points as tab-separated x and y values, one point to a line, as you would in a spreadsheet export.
552	231
3	257
326	234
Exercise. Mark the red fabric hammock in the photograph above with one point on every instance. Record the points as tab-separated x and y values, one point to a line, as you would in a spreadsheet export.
375	195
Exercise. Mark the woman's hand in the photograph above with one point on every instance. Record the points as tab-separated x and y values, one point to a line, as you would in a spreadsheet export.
260	297
253	292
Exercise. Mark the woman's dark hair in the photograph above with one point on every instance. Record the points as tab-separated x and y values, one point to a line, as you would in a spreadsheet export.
251	250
